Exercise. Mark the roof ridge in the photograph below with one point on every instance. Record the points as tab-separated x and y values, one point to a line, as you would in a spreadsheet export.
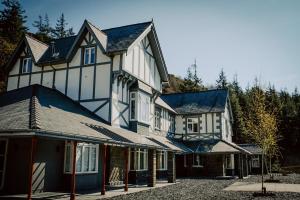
96	27
127	25
27	35
191	92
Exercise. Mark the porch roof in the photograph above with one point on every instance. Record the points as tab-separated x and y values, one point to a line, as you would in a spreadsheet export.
41	111
215	147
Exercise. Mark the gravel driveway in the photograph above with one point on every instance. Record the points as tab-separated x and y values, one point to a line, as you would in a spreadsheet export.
205	189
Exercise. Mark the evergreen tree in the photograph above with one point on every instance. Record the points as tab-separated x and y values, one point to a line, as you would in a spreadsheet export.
222	83
61	30
43	29
192	82
12	21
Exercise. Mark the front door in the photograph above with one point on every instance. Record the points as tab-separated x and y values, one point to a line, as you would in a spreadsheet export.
3	152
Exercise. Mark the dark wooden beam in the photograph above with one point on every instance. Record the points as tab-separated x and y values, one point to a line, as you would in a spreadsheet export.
73	178
31	163
126	153
103	169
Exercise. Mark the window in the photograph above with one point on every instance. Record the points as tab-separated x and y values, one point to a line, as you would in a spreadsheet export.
144	107
157	118
255	161
86	158
132	105
139	159
197	160
228	163
26	65
3	152
172	124
184	160
89	55
192	125
161	160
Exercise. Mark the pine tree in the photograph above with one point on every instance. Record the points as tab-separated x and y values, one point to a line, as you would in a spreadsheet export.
222	83
43	29
60	30
12	21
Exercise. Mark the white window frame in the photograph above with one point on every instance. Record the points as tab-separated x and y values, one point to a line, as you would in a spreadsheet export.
4	163
137	157
82	146
159	160
200	163
133	99
172	124
88	58
228	162
143	105
194	120
157	119
255	161
26	68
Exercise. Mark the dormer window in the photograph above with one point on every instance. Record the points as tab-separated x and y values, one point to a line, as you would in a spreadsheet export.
26	65
89	55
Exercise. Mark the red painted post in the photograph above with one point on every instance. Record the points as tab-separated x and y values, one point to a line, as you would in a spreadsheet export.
103	170
73	185
31	163
126	170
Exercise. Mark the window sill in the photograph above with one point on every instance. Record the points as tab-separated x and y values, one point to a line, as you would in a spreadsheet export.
81	173
197	166
138	170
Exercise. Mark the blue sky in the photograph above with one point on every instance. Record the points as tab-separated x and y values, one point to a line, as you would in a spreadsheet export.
250	38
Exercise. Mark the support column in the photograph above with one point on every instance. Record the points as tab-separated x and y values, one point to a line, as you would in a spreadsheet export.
171	167
152	167
247	165
103	169
73	181
240	166
31	163
126	154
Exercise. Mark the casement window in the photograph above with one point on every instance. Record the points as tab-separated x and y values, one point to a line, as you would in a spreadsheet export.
192	125
89	55
26	65
86	158
197	160
144	107
172	124
255	161
3	153
228	162
133	106
157	119
139	159
161	160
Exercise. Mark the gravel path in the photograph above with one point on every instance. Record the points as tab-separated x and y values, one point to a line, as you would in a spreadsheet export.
290	178
203	189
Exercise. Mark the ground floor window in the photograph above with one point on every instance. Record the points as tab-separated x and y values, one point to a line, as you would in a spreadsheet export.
228	162
255	161
86	158
197	160
161	160
138	159
3	153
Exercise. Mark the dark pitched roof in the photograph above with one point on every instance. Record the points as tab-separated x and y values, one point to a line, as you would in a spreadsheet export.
197	102
253	148
47	112
120	38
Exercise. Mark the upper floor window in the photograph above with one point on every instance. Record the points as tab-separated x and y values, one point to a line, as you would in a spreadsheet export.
157	118
26	65
144	107
192	125
86	158
89	55
172	124
132	105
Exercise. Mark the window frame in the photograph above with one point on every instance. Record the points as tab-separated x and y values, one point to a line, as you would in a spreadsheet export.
172	124
256	159
159	160
88	60
140	107
133	99
83	159
4	162
192	123
28	69
137	159
157	119
200	164
228	159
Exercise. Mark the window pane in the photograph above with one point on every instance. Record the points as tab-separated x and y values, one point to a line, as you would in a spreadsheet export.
24	68
78	158
132	158
86	153
86	56
132	109
190	129
141	160
195	128
92	55
2	147
29	67
93	159
68	159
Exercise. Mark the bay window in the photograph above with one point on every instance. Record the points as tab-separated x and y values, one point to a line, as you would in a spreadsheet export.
133	105
139	107
139	159
157	118
86	158
89	55
192	125
172	124
197	160
161	160
26	65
